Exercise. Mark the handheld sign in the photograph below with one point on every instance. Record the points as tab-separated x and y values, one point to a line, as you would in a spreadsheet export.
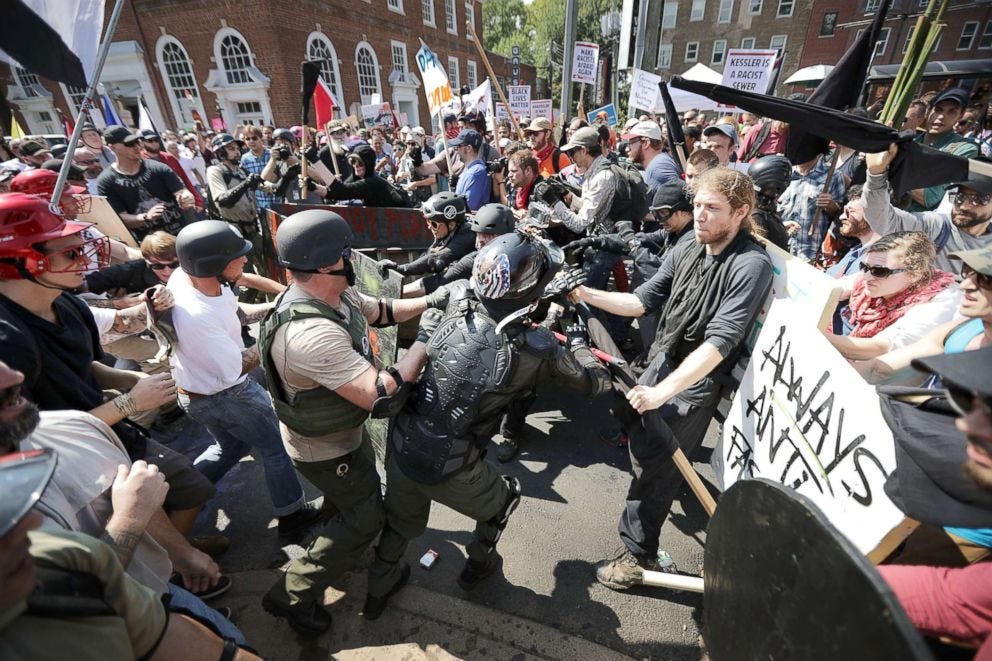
611	115
436	84
519	97
749	69
584	62
541	108
644	93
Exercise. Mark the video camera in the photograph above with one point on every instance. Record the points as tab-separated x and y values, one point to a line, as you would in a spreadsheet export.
497	166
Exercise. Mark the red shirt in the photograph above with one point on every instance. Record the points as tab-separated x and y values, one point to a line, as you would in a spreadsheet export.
774	143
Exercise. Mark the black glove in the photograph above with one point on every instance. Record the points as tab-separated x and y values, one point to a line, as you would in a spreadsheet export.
416	156
387	265
547	193
453	182
577	336
606	242
564	282
429	321
253	181
311	153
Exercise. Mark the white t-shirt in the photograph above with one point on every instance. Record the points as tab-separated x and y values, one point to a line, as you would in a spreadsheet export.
208	357
922	318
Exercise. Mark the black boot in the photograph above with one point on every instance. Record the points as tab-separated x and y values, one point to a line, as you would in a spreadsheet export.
475	571
375	605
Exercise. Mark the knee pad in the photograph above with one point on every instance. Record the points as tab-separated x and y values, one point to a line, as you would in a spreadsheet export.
512	501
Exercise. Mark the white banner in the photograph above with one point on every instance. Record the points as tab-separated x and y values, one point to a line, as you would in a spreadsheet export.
541	108
584	61
481	99
644	93
519	98
748	69
436	85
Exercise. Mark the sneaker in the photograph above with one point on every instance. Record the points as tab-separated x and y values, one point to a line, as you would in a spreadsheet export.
293	526
375	605
475	571
310	618
213	545
223	585
508	449
624	571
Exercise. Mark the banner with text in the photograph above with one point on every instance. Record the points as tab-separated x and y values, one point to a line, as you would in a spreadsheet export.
749	69
803	417
436	85
644	93
584	62
542	108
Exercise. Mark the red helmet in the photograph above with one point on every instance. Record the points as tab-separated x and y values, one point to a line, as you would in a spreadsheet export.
41	182
26	221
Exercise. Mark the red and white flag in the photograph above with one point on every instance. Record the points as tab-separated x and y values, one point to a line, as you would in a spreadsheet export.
323	103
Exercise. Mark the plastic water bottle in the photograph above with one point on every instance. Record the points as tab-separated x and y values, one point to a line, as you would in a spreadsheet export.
666	563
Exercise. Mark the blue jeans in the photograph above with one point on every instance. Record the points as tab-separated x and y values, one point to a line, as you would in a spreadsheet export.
241	418
183	598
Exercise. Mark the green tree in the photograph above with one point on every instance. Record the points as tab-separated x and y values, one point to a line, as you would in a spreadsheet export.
504	26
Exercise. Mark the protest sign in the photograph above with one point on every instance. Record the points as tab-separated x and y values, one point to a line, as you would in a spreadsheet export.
584	61
541	108
749	69
107	221
481	99
501	113
518	97
435	79
377	114
611	115
644	94
804	418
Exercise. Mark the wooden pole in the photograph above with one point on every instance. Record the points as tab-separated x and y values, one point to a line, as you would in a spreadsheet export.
495	82
581	107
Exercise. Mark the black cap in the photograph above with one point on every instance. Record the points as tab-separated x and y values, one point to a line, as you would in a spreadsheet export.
958	95
966	369
32	147
148	134
671	195
117	134
23	478
55	165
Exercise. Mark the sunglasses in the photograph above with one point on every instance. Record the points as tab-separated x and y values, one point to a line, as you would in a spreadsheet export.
80	258
982	281
974	199
879	271
964	401
161	267
661	215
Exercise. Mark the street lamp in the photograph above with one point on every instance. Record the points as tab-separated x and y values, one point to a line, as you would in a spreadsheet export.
609	27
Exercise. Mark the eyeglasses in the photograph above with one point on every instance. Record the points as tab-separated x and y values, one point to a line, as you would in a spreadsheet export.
662	214
963	401
90	253
982	281
879	271
974	199
161	267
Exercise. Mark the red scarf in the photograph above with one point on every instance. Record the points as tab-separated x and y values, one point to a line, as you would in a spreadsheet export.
452	133
544	153
523	195
870	316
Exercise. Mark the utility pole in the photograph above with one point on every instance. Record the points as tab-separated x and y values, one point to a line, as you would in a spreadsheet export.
571	12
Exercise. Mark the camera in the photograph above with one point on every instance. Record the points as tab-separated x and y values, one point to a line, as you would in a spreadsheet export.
499	165
282	152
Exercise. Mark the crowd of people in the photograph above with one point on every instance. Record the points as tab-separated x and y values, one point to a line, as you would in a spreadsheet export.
540	233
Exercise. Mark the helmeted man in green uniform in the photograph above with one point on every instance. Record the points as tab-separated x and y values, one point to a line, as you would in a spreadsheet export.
317	355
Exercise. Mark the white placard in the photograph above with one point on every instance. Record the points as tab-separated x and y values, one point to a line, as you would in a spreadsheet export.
803	417
519	99
644	93
584	61
541	108
436	85
749	69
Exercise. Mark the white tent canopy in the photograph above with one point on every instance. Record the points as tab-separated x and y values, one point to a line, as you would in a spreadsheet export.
687	100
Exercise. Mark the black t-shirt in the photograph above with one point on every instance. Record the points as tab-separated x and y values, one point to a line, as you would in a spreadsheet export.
155	183
133	277
56	359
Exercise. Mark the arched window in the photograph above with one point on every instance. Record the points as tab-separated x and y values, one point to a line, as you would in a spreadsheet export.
178	71
235	58
368	72
28	81
319	47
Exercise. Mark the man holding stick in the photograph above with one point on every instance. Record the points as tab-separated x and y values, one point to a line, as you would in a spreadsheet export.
708	292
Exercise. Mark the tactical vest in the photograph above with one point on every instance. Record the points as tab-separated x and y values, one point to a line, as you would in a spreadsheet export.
319	411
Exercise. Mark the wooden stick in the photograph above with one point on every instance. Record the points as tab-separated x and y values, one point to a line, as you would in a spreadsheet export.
495	83
303	163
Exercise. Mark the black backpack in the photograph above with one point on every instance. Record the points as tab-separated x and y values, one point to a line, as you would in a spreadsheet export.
630	202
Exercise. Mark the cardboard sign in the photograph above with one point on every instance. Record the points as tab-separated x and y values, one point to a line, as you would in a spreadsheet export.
749	70
107	221
541	108
584	60
611	115
378	114
644	93
519	98
435	79
804	418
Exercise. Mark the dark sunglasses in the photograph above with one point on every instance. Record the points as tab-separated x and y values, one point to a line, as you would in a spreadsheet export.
964	401
661	215
982	281
975	199
879	271
161	267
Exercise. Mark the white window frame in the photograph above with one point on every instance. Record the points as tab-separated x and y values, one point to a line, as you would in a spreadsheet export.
471	74
337	89
791	4
403	66
28	82
664	56
668	18
395	6
726	13
469	16
909	37
427	6
722	43
694	58
747	42
883	42
697	11
175	102
871	6
754	7
783	37
971	38
453	76
221	35
367	98
451	16
987	34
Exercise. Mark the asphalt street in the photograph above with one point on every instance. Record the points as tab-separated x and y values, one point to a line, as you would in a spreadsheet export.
574	484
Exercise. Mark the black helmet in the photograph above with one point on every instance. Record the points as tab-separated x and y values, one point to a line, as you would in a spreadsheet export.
206	247
285	134
771	175
309	240
513	270
493	219
221	140
446	206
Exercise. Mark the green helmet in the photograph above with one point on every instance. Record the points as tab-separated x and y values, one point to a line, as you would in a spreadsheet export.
312	239
206	247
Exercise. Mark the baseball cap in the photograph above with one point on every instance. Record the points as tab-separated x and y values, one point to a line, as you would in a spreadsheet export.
976	181
647	129
538	124
979	259
33	147
468	137
671	195
75	172
23	478
117	134
450	117
965	369
958	95
725	129
586	136
148	134
630	123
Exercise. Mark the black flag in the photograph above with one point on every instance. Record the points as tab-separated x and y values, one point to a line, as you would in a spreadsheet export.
311	72
915	166
33	43
673	126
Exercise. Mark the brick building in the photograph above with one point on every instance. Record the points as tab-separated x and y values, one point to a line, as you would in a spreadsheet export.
240	61
963	55
680	33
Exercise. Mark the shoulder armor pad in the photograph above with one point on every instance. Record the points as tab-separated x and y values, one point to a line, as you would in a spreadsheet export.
541	342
